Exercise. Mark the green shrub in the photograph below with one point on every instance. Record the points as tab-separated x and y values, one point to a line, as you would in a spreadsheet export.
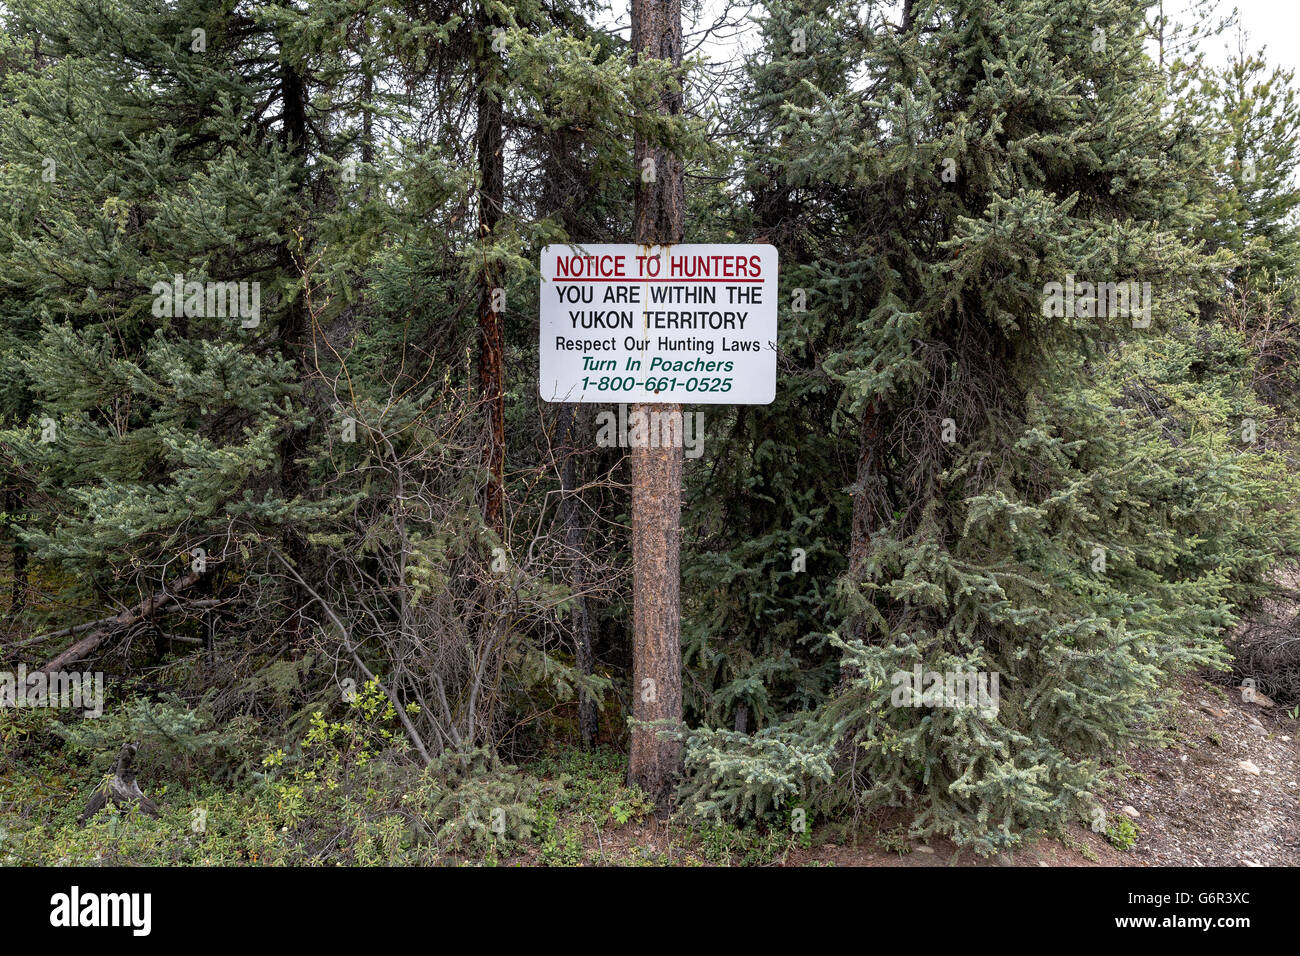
1122	833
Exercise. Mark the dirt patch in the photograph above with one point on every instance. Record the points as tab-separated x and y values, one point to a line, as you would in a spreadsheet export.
1227	793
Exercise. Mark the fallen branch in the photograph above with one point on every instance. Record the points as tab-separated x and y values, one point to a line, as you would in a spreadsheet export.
65	632
181	639
132	615
78	628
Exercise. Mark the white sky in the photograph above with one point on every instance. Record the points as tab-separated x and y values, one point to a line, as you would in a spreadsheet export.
1272	24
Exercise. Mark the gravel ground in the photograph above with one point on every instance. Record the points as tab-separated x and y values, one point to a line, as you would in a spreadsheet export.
1227	793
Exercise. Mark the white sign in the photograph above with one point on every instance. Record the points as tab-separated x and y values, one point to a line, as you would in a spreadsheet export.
694	324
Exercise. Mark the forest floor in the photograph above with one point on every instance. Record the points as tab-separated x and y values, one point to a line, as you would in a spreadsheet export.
1222	788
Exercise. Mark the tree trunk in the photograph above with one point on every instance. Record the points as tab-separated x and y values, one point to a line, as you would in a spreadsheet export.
121	790
562	162
491	356
870	506
653	762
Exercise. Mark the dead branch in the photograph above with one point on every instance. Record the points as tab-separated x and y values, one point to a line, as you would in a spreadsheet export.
133	615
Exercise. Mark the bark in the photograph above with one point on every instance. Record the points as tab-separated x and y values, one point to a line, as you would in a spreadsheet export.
660	205
742	719
656	611
559	200
121	790
653	761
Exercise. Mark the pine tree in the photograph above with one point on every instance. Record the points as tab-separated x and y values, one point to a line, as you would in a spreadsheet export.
1255	114
147	214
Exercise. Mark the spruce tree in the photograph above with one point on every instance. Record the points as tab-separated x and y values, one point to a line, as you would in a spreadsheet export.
1028	502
